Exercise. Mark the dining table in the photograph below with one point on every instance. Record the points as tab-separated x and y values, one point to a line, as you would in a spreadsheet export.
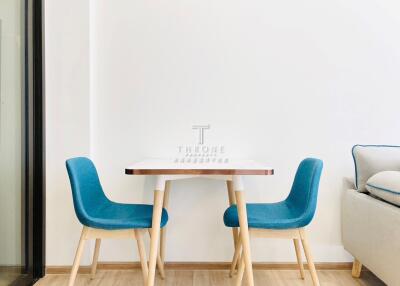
167	170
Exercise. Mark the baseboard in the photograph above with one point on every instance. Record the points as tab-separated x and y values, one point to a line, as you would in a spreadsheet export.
11	269
199	266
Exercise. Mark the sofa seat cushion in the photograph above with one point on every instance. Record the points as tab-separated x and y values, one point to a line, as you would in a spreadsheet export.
385	185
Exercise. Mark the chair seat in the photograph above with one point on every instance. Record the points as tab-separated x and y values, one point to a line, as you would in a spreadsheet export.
122	216
281	215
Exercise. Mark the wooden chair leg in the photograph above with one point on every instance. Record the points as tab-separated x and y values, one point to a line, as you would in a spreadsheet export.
236	255
356	271
310	261
142	254
78	256
298	256
239	277
235	235
160	262
95	258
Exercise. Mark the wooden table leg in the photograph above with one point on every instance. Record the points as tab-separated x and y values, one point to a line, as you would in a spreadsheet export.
232	201
239	278
155	229
244	228
164	229
235	230
160	263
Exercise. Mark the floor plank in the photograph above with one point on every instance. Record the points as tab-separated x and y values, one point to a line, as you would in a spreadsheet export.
214	278
7	278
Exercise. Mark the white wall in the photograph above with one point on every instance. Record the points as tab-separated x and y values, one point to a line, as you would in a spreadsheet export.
67	119
277	81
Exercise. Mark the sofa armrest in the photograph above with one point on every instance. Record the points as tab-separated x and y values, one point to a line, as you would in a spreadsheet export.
371	235
348	183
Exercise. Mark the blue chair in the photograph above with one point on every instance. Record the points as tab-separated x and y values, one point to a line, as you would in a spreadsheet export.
285	219
102	218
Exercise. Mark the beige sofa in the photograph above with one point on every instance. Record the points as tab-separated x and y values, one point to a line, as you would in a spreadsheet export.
371	233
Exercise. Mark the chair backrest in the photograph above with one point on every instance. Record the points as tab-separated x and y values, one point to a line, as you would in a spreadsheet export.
304	193
86	188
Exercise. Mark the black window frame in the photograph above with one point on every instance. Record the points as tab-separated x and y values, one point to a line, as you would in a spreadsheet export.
37	149
33	150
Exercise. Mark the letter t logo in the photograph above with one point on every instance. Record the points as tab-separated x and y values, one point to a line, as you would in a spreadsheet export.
201	129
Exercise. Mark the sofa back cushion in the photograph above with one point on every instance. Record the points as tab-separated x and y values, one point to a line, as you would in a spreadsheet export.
372	159
385	185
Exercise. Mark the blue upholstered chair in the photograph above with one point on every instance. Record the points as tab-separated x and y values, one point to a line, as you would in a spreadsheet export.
102	218
285	219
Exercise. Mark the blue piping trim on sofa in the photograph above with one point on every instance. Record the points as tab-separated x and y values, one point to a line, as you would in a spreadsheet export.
354	158
383	189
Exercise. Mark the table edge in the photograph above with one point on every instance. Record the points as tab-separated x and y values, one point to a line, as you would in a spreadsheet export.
199	172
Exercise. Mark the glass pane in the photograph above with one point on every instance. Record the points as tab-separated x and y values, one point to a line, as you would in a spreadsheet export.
11	100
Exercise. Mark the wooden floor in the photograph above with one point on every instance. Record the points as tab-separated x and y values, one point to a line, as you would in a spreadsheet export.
7	278
214	277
